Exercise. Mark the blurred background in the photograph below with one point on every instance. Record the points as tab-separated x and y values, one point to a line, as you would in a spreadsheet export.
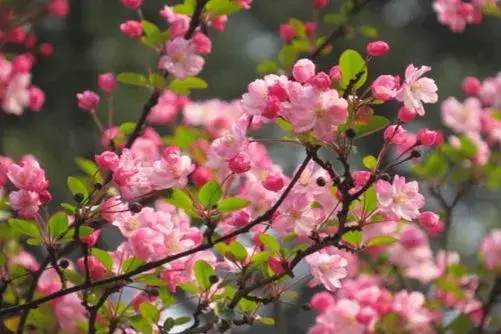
89	42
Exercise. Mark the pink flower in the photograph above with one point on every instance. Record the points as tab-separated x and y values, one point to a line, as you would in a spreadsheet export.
166	109
395	134
490	250
287	32
339	318
147	244
28	176
69	310
471	86
132	29
377	48
132	4
59	7
92	238
273	182
462	118
431	221
335	73
97	269
107	82
25	202
327	269
172	170
202	42
406	115
88	100
17	94
320	3
410	306
417	90
320	111
321	301
37	98
240	164
385	87
296	214
265	94
427	137
303	70
201	176
181	59
400	198
456	13
320	81
107	160
111	207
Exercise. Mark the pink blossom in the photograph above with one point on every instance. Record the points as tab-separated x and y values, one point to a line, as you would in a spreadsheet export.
69	310
132	29
311	28
263	94
22	63
28	176
171	171
202	42
320	81
201	176
335	73
107	82
327	269
97	270
411	307
17	94
287	32
111	207
26	260
417	90
321	301
229	145
132	4
92	238
320	111
303	70
395	134
385	87
462	118
378	48
427	137
37	98
107	160
25	202
490	250
320	3
431	221
339	318
166	109
456	13
240	164
406	115
273	182
471	86
181	59
88	100
277	265
400	198
59	7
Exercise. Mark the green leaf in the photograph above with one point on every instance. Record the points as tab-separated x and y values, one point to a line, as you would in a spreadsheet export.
269	242
127	127
351	64
353	237
73	276
84	231
369	31
149	28
370	162
210	193
203	272
103	256
25	227
461	325
457	270
158	81
131	263
151	279
468	147
2	259
287	56
223	7
189	287
149	312
448	284
34	241
184	136
287	126
140	324
58	224
376	124
183	87
496	115
77	187
89	167
267	66
168	325
260	258
334	18
134	79
266	321
179	199
299	27
238	252
232	204
381	241
182	320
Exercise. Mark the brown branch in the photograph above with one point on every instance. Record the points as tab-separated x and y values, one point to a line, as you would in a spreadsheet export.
489	304
94	310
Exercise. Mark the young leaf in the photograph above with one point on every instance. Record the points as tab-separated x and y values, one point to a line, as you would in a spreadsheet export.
58	224
149	312
127	127
237	251
352	66
370	161
269	242
179	199
25	227
210	194
380	241
77	187
266	321
203	272
89	167
103	256
232	204
134	79
353	237
376	124
183	87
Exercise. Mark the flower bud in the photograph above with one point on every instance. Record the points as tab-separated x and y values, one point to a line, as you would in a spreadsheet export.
471	86
406	115
320	81
320	3
427	137
303	70
132	29
321	301
107	82
132	4
377	48
203	44
273	182
88	100
240	164
287	32
201	176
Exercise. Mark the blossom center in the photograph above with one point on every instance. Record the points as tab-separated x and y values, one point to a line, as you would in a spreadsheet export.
400	198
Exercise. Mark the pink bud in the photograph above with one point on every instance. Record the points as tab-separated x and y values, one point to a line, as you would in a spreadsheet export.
30	41
311	28
107	82
427	137
219	22
178	28
412	238
273	182
320	3
37	98
203	44
320	81
240	164
321	301
132	4
92	238
17	35
361	177
406	115
22	63
471	86
46	49
278	91
303	70
395	134
132	29
287	32
377	48
171	151
201	176
239	218
59	7
88	100
45	196
272	107
431	221
335	73
107	160
277	265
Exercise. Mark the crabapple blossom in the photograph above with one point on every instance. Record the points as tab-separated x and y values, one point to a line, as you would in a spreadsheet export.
107	82
471	86
400	198
378	48
340	317
327	269
25	202
287	32
490	250
385	87
17	94
416	90
462	117
132	29
181	58
88	100
303	70
132	4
